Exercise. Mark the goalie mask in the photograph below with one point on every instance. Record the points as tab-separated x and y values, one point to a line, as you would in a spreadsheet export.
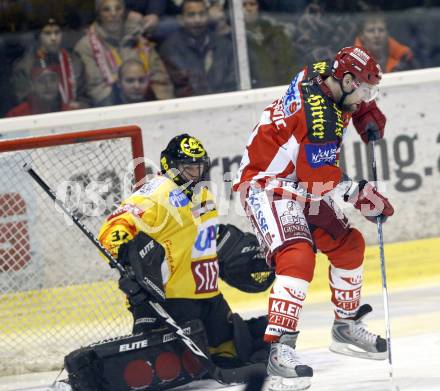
185	161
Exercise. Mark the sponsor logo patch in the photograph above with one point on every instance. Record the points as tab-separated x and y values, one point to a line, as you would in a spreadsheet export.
127	208
360	55
319	155
325	120
178	198
320	67
292	98
284	313
205	244
347	300
293	222
150	187
255	205
205	274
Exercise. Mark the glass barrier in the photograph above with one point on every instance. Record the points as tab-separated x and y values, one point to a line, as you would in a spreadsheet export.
283	35
76	54
63	55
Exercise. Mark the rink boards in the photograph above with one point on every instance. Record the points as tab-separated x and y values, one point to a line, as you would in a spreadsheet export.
408	264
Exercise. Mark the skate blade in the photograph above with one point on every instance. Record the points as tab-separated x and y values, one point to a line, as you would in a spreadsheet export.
279	383
354	351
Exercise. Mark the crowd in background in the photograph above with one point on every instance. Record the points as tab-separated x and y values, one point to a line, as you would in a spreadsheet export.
60	55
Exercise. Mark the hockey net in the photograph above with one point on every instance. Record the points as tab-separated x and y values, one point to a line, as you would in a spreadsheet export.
56	292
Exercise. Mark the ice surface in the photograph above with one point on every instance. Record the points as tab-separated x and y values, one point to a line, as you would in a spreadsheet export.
415	327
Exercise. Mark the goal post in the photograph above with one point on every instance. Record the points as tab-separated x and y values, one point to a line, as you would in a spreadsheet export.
56	292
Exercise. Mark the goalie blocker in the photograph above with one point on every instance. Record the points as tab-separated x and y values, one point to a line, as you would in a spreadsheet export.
153	361
242	262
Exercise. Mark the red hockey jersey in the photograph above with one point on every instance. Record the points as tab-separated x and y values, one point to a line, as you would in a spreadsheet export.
298	137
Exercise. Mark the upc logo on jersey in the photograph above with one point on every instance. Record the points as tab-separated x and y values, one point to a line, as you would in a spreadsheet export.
206	242
178	198
319	155
205	274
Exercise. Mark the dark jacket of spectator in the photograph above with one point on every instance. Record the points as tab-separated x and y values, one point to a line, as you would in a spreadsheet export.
146	7
272	58
201	65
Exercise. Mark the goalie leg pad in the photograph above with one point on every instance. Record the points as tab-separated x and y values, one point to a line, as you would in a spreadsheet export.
156	360
248	339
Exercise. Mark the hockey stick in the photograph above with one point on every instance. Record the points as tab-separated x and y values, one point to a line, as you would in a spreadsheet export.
224	376
382	262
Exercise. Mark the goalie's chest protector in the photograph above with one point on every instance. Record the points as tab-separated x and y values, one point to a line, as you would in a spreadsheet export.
187	230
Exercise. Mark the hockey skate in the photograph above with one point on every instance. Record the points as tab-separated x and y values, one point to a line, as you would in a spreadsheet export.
286	372
350	337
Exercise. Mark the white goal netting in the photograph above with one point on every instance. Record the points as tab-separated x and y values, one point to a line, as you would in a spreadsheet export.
56	292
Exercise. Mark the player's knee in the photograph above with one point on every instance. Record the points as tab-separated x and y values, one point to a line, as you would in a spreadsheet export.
351	251
296	260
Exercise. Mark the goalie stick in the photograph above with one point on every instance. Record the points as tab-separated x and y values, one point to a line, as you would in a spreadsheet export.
222	375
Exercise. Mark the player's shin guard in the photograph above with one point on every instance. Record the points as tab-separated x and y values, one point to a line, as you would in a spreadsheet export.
346	287
285	304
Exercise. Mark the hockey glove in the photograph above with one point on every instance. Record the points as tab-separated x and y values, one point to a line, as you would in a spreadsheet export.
364	197
135	293
143	258
241	260
369	122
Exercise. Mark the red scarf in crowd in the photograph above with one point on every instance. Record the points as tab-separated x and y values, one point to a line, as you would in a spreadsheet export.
67	86
109	60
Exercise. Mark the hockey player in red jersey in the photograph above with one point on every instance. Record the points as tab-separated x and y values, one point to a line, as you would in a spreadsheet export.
288	179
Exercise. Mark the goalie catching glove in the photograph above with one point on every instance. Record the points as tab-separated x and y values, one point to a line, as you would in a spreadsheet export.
142	257
242	264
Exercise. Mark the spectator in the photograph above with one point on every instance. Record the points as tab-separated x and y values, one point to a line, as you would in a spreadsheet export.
198	61
44	96
271	54
133	84
49	53
390	54
217	18
146	12
109	41
319	34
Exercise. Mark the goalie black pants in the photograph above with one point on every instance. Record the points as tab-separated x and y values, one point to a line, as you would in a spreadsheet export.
214	313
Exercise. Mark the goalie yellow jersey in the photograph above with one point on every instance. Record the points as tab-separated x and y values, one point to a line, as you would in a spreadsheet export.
185	228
